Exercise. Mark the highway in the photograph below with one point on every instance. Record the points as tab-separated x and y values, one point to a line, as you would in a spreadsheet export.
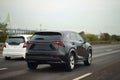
105	66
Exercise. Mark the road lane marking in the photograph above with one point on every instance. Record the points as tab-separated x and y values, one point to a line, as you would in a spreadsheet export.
3	69
83	76
105	53
108	50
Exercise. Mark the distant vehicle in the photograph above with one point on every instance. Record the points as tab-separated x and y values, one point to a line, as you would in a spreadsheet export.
15	46
58	48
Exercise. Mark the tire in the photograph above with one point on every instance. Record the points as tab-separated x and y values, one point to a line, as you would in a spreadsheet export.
88	61
71	63
32	65
7	58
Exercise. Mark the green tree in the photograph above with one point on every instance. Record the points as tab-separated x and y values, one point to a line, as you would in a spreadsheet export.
91	37
82	33
105	37
3	34
115	38
3	27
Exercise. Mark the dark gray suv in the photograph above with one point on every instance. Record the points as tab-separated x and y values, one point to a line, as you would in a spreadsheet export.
58	48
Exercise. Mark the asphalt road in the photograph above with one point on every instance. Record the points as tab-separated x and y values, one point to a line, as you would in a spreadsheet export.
105	66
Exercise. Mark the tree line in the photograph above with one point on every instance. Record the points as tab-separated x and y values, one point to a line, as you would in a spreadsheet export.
89	37
3	32
100	37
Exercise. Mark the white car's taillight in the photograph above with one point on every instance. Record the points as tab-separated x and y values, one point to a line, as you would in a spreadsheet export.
4	45
26	43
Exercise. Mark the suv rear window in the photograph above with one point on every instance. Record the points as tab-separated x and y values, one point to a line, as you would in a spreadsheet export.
46	36
15	40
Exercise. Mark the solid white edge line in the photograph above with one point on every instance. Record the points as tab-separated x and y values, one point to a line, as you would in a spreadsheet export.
83	76
106	53
3	68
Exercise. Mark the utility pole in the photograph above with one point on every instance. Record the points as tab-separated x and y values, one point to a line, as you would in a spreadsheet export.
8	21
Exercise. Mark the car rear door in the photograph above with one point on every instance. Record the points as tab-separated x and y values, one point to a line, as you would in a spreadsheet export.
81	48
44	41
15	44
79	44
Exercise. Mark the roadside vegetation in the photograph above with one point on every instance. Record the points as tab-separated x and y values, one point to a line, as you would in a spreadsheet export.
93	38
102	38
3	32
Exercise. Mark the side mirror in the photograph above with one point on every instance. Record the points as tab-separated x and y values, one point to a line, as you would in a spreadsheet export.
82	41
86	40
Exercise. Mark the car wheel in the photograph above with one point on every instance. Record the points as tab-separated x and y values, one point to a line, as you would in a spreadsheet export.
88	61
32	65
7	58
71	63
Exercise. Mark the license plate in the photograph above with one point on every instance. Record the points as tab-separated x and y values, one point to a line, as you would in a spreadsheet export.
14	47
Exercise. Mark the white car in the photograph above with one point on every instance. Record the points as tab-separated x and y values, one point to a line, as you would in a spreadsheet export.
15	46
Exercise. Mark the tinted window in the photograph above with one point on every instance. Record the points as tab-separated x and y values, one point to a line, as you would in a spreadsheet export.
79	38
46	36
73	36
15	40
67	37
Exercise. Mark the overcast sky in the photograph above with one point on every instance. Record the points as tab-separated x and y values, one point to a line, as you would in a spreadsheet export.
91	16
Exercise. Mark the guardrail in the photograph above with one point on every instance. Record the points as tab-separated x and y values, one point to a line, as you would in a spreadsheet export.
100	42
103	42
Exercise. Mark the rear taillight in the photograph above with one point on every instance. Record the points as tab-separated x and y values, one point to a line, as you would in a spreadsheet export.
25	44
28	42
4	45
60	43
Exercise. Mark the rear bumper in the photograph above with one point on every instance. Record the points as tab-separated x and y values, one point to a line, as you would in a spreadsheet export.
14	55
46	57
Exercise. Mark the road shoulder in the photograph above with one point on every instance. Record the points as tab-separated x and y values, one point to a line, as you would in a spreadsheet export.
111	72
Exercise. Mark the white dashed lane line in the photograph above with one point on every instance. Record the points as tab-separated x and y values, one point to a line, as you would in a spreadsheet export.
83	76
3	69
94	56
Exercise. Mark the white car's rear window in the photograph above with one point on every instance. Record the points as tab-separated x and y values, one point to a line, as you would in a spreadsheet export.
15	40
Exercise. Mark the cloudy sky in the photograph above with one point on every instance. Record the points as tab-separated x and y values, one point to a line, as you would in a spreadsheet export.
91	16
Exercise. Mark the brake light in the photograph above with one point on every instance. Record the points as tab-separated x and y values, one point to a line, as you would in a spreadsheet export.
25	44
28	42
60	43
